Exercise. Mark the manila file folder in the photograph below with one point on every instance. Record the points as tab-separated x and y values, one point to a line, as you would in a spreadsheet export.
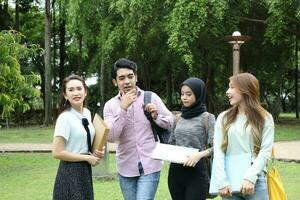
101	134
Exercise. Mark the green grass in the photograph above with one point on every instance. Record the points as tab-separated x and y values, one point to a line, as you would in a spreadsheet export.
287	129
287	115
287	132
290	175
30	176
26	135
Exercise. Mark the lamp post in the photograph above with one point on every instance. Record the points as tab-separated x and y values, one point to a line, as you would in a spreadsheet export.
236	40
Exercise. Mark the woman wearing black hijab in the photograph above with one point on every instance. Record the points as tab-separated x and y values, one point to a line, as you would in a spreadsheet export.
194	128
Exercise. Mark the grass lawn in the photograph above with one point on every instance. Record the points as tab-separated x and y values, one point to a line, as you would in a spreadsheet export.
26	135
30	176
286	129
287	132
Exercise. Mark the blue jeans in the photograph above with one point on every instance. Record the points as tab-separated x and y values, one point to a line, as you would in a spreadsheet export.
141	187
260	191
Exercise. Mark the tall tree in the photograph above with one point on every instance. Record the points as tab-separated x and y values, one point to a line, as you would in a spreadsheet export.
296	79
47	60
17	19
62	43
16	89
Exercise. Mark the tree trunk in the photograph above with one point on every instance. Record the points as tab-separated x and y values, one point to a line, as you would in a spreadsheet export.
62	47
79	57
17	19
54	44
146	77
47	60
102	85
211	107
102	170
296	80
169	87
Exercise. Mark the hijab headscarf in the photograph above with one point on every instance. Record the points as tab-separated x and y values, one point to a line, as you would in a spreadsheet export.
199	90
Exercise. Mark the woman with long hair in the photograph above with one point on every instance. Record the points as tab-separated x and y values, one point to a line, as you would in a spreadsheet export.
73	136
245	128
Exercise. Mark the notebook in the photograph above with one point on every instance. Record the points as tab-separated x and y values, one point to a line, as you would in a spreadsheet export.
172	153
235	171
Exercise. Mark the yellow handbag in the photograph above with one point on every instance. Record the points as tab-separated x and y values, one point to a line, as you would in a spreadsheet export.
275	187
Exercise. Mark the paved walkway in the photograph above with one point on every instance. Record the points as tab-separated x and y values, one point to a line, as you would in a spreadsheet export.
286	151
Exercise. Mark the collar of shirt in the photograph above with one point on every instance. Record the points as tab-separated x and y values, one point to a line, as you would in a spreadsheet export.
77	114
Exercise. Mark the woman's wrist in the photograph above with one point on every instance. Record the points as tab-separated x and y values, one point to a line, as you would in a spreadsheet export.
208	152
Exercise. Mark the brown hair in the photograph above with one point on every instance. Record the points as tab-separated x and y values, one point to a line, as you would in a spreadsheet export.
63	103
248	86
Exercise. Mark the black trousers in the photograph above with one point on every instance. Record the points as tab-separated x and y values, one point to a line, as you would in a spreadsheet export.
188	183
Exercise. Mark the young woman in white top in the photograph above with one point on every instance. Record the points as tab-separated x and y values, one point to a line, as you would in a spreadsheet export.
244	128
72	143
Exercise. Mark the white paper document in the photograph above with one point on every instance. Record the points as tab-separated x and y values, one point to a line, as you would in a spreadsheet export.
235	172
172	153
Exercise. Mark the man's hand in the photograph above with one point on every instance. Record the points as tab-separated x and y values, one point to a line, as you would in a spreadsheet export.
151	108
247	187
128	98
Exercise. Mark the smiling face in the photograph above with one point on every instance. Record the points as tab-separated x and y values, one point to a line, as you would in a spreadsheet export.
75	93
187	96
234	95
125	80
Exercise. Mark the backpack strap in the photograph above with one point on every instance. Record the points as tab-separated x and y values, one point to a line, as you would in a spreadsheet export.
206	115
147	99
206	123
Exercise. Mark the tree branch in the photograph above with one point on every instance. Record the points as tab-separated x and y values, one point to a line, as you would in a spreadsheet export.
289	30
253	20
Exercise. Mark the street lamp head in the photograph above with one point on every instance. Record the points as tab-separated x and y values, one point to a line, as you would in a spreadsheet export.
236	37
236	33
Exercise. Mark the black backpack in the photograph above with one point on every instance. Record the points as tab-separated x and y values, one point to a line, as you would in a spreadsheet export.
158	132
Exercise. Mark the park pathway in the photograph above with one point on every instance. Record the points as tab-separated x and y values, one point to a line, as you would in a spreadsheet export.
286	151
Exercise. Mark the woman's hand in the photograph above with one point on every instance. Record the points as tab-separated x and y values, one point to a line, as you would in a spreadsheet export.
99	153
225	192
193	159
92	160
247	187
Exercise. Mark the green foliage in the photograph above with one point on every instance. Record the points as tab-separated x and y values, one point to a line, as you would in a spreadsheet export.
186	21
32	26
170	41
16	89
283	18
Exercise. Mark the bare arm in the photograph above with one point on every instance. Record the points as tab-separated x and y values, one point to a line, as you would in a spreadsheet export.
58	152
